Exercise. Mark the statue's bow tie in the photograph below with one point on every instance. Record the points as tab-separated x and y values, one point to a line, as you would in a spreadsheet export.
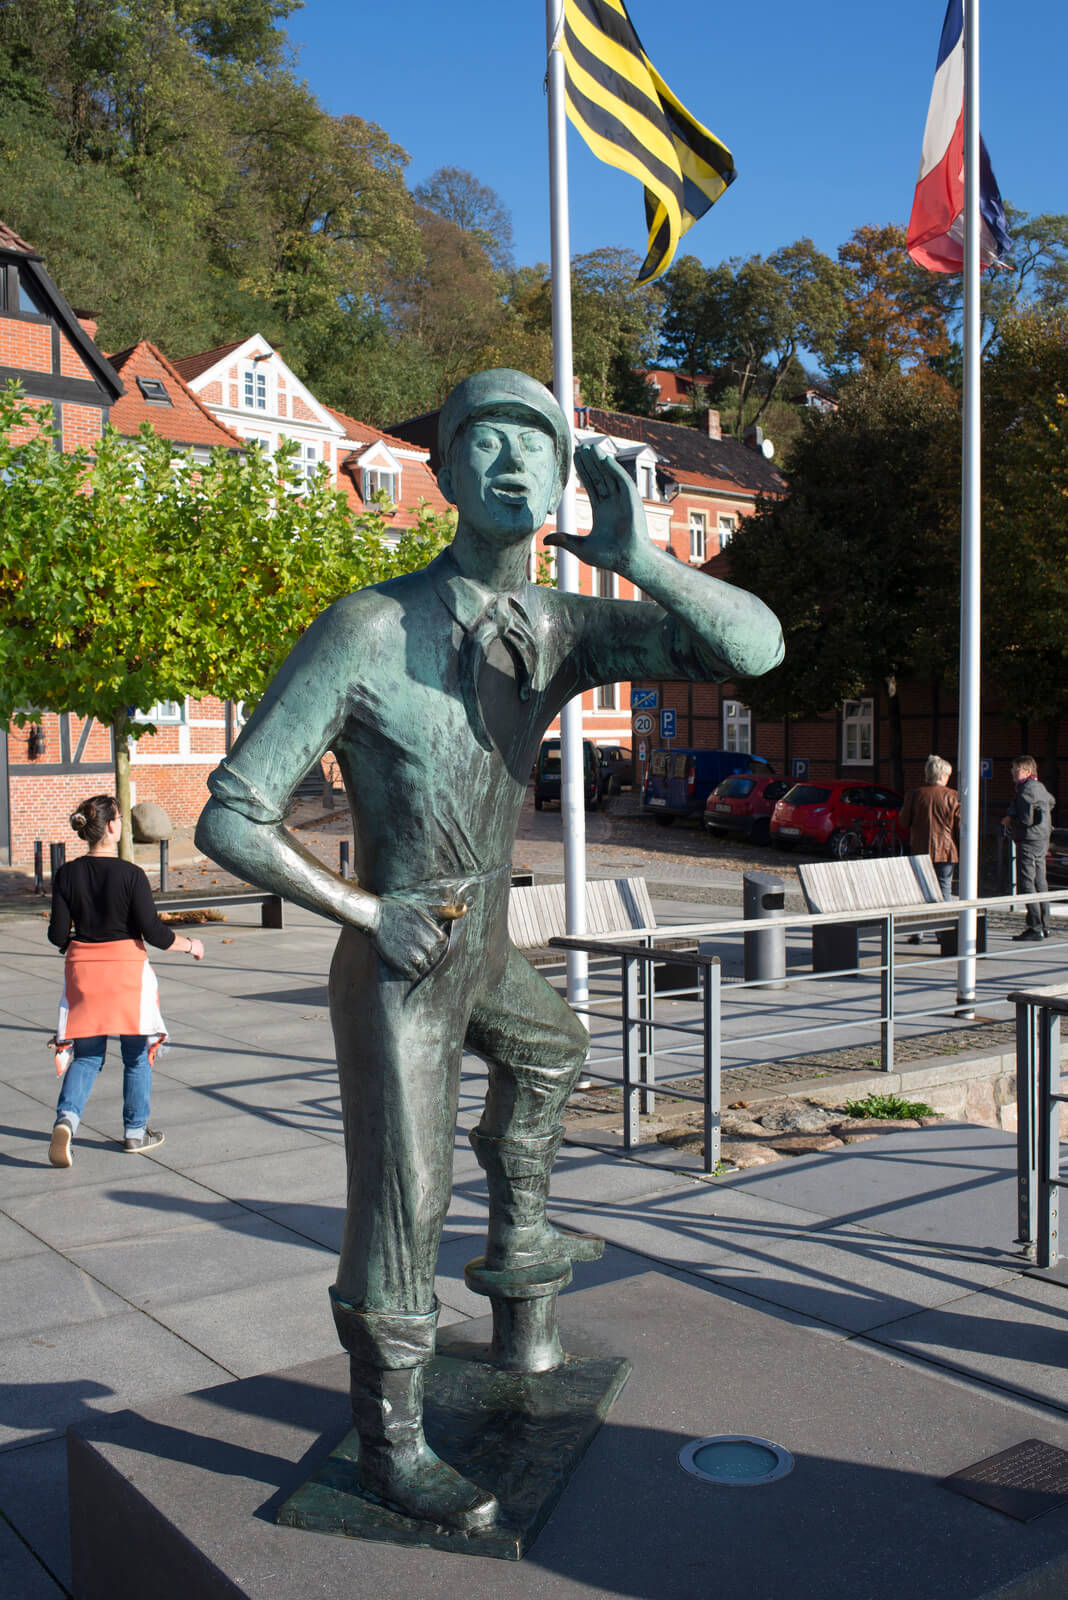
502	618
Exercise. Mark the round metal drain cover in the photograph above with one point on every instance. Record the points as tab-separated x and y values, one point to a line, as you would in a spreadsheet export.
737	1460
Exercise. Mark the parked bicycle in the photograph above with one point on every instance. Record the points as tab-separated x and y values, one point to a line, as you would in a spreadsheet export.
861	841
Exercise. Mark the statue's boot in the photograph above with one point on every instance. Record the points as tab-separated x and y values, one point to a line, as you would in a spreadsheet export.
388	1354
517	1177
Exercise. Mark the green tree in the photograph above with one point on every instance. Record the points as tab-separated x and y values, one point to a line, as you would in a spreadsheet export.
861	559
615	328
132	578
745	323
1025	515
474	207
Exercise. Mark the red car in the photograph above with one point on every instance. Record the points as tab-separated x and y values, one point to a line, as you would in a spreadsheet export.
813	813
743	804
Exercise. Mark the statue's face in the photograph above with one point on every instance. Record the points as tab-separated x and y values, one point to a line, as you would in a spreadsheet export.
502	477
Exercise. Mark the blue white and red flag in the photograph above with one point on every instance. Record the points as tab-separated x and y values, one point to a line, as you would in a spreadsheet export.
936	227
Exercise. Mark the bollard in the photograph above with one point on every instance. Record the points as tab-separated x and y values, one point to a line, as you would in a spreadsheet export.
57	855
765	953
164	862
38	867
344	865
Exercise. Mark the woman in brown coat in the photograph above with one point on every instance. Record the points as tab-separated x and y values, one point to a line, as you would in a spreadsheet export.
932	816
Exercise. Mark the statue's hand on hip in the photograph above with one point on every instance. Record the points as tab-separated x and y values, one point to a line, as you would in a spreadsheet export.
412	936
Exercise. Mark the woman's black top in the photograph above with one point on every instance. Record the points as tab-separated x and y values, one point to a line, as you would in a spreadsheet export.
98	898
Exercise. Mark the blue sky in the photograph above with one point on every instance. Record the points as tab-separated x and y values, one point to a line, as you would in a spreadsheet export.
823	105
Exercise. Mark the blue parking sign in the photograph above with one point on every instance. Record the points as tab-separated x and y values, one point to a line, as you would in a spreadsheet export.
799	768
644	699
667	723
986	767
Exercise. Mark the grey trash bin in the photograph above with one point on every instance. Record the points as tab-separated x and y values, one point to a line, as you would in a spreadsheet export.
764	895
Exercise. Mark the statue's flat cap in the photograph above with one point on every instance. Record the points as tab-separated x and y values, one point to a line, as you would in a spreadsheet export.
503	392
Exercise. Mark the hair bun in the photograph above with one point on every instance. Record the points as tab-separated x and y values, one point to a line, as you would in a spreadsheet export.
77	820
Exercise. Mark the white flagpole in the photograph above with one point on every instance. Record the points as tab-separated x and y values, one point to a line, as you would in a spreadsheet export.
572	800
968	754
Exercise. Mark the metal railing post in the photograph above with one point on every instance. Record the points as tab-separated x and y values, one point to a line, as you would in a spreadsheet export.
57	855
164	863
886	995
38	867
631	1046
344	865
646	1048
711	1043
1026	1123
1049	1087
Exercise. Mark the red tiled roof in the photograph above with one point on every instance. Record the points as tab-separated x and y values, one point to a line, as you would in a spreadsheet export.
674	388
186	420
9	240
190	367
364	433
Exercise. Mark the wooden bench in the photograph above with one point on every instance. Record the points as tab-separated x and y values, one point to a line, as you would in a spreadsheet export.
536	913
888	883
270	904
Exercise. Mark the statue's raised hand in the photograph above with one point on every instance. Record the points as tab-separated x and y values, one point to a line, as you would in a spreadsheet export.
412	935
619	536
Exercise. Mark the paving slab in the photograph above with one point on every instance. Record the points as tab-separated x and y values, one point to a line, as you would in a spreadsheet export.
871	1437
246	1329
16	1241
284	1177
21	1574
952	1184
66	1372
206	1142
33	1498
155	1270
847	1278
52	1290
1014	1335
143	1198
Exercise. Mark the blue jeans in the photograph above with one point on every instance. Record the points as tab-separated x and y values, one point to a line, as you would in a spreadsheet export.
82	1073
944	871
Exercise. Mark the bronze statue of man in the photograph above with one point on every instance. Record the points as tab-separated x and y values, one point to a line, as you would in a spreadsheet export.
434	691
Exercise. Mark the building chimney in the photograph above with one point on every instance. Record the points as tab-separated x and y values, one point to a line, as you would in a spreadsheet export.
712	424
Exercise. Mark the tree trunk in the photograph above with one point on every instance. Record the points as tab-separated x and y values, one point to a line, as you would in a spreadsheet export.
119	724
897	756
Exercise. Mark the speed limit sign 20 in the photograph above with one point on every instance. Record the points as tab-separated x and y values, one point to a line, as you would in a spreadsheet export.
643	724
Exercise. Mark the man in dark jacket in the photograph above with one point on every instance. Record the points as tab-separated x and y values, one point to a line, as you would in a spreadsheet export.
1029	820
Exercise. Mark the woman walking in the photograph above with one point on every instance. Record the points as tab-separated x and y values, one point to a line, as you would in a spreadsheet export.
103	914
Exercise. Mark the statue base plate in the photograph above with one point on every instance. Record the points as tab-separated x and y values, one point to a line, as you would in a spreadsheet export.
521	1435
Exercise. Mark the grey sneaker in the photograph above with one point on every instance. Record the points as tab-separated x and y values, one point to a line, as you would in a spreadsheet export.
137	1147
59	1148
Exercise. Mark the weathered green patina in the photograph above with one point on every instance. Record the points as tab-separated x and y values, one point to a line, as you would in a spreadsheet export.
433	691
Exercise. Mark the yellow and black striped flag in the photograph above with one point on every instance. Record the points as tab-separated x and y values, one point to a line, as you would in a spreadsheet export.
629	118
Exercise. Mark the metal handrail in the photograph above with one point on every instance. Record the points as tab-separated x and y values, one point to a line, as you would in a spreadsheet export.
1038	1104
637	1057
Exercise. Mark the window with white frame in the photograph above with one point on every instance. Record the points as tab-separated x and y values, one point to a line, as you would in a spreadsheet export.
170	712
606	697
858	732
377	480
606	582
647	482
698	535
254	393
728	526
264	441
737	731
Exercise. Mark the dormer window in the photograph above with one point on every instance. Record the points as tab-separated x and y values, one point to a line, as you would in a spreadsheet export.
377	481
